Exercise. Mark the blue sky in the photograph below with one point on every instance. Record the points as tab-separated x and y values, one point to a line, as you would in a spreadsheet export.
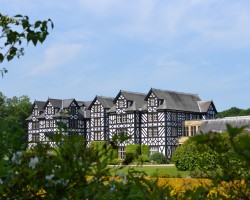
101	46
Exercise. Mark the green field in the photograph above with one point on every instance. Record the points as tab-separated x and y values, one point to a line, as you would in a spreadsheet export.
152	171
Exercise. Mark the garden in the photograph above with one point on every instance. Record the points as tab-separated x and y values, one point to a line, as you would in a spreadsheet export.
210	166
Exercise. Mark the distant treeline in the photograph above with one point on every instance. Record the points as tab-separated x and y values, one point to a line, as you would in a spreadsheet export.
234	111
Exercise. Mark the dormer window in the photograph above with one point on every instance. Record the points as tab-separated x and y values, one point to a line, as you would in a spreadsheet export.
120	103
73	110
36	113
160	102
130	103
49	110
151	102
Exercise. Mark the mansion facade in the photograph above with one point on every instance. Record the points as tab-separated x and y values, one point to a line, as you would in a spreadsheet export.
156	118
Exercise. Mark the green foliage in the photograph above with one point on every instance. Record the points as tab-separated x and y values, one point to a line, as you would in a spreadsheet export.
183	157
223	156
234	111
158	157
103	146
132	153
143	158
72	172
129	157
13	126
145	150
134	149
17	32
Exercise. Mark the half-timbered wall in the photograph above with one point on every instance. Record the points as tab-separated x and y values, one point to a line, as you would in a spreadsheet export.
153	126
97	122
210	113
123	122
74	123
33	128
39	129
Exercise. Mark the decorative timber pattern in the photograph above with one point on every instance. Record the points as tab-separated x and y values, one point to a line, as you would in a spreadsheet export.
45	115
99	124
124	116
155	119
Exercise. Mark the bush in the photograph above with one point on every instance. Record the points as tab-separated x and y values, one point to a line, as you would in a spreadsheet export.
184	157
145	150
158	157
143	158
134	149
104	150
129	157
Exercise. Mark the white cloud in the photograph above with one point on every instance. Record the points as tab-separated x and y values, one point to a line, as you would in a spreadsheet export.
55	57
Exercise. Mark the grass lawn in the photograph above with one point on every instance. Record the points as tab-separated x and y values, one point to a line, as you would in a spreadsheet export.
152	171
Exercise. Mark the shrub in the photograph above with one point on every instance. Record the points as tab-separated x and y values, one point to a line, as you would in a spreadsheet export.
145	150
143	158
104	150
158	158
129	157
184	157
134	149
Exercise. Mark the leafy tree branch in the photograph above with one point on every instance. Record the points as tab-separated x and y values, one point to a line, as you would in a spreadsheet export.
16	32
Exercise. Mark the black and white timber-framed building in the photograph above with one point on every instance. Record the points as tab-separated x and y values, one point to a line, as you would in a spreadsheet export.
124	118
99	123
155	119
42	121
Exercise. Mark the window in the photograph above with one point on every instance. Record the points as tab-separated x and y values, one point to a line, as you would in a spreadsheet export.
153	150
151	102
193	130
35	125
49	110
97	108
152	117
174	131
119	119
121	152
35	138
97	122
152	132
73	110
36	113
122	131
73	123
124	119
97	136
174	116
186	131
120	103
49	123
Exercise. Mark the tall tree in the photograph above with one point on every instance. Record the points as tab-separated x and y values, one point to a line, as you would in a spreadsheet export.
13	125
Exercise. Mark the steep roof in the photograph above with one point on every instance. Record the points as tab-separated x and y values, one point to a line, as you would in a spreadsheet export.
219	125
40	104
204	105
106	102
87	103
61	114
176	100
84	113
40	107
59	103
137	99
